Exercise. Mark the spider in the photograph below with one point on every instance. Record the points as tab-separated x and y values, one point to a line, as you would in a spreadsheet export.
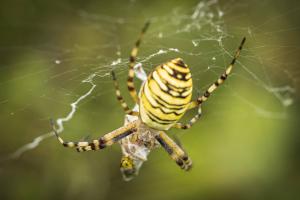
164	97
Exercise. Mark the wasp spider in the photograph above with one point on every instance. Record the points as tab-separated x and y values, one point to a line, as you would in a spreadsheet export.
163	99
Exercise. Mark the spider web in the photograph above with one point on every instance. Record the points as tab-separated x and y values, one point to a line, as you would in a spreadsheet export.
205	35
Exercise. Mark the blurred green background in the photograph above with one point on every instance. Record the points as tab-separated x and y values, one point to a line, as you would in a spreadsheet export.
245	146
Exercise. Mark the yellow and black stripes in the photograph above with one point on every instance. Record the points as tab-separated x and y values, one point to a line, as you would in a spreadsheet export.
174	150
120	98
165	95
106	140
220	80
132	59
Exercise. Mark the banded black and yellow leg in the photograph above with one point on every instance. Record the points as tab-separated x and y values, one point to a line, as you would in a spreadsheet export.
220	80
174	150
120	98
132	59
191	122
106	140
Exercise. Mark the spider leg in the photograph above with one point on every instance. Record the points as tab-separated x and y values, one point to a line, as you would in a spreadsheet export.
132	59
174	150
220	80
120	97
106	140
191	122
209	91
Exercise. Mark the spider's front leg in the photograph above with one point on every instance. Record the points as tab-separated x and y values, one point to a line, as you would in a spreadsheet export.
174	150
141	74
132	59
106	140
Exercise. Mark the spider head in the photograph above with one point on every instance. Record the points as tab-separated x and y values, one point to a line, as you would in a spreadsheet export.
127	168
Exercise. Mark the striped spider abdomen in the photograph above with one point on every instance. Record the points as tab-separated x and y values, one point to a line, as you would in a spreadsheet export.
165	96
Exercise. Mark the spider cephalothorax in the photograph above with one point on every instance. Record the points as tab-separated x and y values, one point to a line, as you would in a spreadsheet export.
163	99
